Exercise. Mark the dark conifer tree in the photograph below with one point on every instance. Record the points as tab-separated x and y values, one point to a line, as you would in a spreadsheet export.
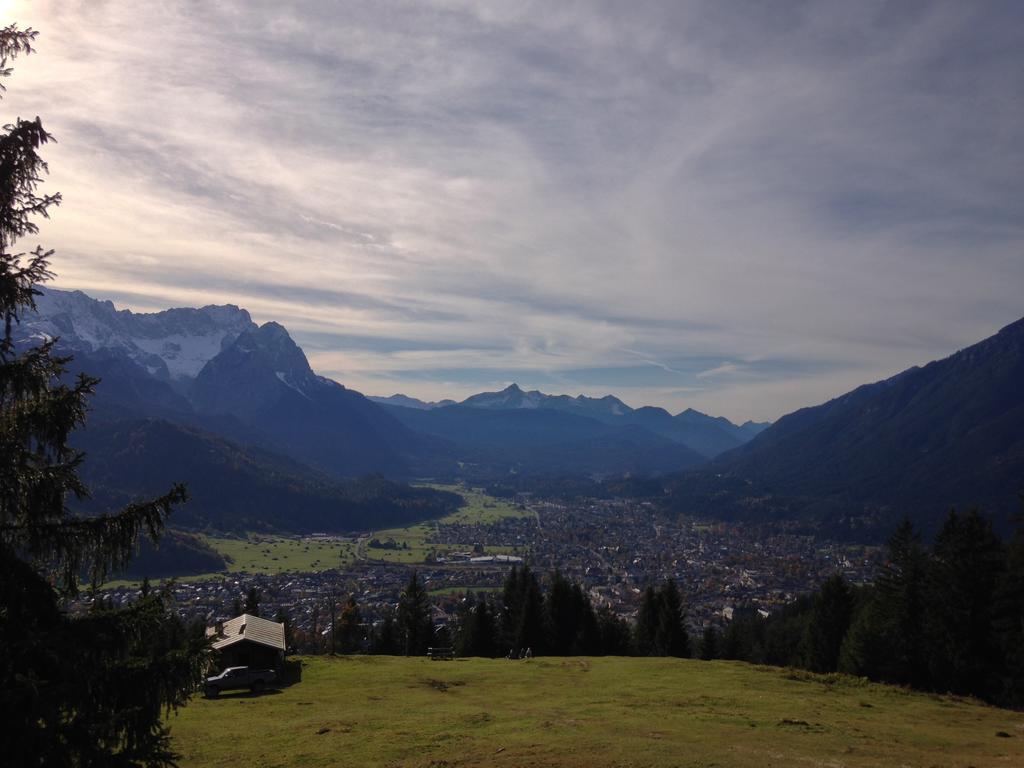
615	634
588	633
88	690
646	629
886	638
252	602
865	651
966	567
740	638
477	630
386	640
415	628
350	633
781	638
1008	625
531	622
512	607
671	637
560	616
522	612
282	617
829	621
709	643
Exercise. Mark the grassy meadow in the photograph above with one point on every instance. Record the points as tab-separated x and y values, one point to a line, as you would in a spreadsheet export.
479	509
388	711
261	553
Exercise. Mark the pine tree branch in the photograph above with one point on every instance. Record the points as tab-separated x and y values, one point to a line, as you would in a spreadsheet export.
100	545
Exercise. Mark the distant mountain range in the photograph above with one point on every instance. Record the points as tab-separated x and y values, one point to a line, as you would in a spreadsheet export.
213	369
705	435
208	396
410	402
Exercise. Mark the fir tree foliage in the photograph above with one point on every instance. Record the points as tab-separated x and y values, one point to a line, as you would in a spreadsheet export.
709	643
522	612
615	634
966	566
829	622
646	628
414	624
886	638
945	619
477	628
661	622
350	637
1008	624
385	636
252	602
92	689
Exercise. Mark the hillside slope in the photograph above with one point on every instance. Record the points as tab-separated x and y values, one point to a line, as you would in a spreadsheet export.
577	712
950	433
264	381
235	488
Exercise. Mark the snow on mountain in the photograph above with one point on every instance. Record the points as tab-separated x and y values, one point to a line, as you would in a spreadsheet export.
514	397
510	397
174	344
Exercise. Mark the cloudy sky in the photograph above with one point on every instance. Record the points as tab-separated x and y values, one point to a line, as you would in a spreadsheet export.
743	207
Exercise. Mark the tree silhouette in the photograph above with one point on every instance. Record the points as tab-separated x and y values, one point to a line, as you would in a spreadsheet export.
522	612
967	565
349	626
86	690
477	630
830	619
414	625
252	602
1008	624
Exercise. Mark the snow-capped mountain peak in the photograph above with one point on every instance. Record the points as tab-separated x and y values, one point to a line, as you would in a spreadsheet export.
173	345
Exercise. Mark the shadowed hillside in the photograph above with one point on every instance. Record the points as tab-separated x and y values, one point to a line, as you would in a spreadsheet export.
950	433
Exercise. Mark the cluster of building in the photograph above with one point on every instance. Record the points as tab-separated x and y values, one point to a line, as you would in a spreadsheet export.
613	548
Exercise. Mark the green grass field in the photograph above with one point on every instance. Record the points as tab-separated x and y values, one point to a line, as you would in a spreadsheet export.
269	554
259	553
386	711
479	509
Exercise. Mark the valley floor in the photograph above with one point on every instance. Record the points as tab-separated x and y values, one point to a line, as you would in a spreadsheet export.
391	711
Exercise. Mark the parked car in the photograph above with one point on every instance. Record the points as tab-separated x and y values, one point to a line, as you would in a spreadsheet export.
236	678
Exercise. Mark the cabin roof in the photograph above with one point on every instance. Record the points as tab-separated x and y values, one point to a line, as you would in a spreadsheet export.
250	628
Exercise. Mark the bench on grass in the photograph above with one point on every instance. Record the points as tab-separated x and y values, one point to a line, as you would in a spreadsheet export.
440	654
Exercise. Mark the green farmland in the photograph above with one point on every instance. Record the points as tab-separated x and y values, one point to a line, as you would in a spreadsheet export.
413	540
261	553
389	711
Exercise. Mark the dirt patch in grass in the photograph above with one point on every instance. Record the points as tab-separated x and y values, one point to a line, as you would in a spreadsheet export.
442	685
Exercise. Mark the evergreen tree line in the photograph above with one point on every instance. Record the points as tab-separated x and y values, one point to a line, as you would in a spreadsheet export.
947	619
557	621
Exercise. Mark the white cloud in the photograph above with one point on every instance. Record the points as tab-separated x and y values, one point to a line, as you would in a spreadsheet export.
543	188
